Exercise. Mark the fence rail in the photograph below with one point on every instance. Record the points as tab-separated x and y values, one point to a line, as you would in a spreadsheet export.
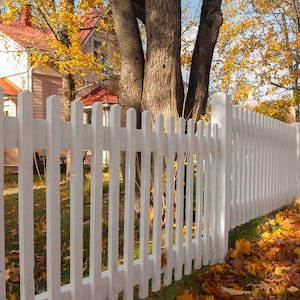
203	182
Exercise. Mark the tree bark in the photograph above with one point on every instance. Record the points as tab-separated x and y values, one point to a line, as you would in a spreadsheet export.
132	69
68	88
163	86
131	54
208	31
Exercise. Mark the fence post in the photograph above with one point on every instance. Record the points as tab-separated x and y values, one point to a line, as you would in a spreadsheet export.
222	116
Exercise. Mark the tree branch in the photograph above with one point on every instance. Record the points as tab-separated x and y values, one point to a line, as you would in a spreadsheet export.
294	88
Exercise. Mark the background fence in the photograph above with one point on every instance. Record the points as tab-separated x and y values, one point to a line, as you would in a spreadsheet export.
202	180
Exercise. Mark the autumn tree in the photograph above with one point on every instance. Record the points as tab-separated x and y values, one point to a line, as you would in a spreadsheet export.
258	52
64	24
153	80
277	109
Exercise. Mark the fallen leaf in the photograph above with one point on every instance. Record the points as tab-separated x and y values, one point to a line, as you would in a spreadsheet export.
278	290
292	289
7	274
235	292
297	251
243	246
187	295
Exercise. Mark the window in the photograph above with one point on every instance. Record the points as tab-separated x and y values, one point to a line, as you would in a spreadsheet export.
101	52
10	108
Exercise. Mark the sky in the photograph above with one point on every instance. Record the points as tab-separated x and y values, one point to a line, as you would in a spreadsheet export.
194	7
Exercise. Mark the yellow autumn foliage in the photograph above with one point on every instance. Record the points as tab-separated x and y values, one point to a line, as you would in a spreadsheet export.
258	50
243	246
280	109
66	54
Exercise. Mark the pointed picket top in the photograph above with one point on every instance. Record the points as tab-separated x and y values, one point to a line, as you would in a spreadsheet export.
25	180
53	197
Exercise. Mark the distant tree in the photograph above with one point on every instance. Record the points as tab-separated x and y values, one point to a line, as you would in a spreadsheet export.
279	109
258	51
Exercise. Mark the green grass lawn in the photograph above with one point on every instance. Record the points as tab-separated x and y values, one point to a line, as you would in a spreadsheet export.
12	236
12	244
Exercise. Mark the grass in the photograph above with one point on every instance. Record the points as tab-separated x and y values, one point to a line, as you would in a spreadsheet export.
12	234
248	231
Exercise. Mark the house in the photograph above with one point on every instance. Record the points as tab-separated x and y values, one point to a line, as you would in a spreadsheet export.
16	42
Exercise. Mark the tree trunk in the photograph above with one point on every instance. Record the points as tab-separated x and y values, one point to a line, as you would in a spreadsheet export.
68	87
131	54
132	69
210	23
163	87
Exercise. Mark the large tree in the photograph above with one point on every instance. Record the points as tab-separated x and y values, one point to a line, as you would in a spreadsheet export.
153	80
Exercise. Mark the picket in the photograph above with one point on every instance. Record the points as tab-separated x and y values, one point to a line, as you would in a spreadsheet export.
2	227
179	200
113	208
129	203
255	141
170	187
25	181
189	190
53	197
96	202
76	201
214	211
238	167
207	196
157	203
235	185
145	204
199	196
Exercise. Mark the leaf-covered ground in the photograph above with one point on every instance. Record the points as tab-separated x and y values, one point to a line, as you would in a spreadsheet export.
266	268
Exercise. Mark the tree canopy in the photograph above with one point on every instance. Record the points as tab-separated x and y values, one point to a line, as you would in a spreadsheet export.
258	52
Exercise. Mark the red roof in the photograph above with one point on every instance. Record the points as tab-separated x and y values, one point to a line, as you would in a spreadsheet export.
90	22
8	87
33	37
99	94
27	36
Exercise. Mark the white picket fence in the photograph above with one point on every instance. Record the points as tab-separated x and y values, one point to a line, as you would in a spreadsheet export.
241	166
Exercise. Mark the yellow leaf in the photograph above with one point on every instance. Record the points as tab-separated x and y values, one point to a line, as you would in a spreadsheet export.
266	235
243	246
234	253
297	251
278	290
7	274
187	295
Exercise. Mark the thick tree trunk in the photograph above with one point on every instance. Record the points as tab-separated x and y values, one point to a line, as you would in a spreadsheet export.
210	23
163	87
131	52
132	68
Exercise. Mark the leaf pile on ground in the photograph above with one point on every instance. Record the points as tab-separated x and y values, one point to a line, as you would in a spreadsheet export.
267	268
